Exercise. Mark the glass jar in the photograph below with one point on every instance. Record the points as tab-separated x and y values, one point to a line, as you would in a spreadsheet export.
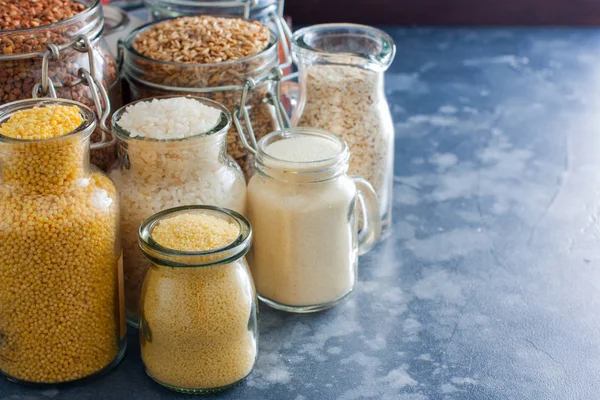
62	315
222	82
304	217
67	45
268	12
198	329
117	23
341	73
153	175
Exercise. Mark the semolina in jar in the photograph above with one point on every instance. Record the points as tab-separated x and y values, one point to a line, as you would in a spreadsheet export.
198	330
61	302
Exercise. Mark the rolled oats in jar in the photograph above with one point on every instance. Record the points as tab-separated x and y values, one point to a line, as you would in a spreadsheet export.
27	29
211	57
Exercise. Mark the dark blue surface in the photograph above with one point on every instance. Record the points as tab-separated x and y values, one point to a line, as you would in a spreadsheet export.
489	285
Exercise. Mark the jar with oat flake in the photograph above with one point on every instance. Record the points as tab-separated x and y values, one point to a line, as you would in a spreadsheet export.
341	78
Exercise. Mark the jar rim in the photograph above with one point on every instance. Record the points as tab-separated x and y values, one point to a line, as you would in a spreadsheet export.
88	125
303	131
310	171
220	129
129	40
88	11
190	259
381	59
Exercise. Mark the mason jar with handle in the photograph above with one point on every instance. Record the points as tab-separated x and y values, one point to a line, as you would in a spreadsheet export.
303	209
341	89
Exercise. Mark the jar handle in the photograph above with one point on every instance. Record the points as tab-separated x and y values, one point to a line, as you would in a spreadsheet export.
371	230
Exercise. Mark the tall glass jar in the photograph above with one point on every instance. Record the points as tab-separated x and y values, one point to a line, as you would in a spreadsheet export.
61	299
303	212
198	329
153	175
341	70
77	43
222	82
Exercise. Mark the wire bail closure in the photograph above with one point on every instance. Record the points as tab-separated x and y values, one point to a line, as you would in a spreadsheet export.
241	110
99	96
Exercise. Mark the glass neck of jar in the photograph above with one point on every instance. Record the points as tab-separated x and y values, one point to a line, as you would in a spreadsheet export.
46	165
343	44
166	257
197	149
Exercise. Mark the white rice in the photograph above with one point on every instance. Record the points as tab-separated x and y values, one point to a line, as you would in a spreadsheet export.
171	172
174	118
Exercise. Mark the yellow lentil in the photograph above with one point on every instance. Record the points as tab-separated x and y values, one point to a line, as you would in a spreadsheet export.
42	122
198	323
59	297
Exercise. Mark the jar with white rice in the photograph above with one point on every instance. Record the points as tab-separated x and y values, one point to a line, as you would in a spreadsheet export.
172	152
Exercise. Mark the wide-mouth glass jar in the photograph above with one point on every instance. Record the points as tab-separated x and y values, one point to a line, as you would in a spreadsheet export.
222	82
155	174
198	329
58	51
268	12
341	74
303	209
62	316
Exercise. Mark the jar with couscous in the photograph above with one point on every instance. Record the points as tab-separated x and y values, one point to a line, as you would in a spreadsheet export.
61	298
198	331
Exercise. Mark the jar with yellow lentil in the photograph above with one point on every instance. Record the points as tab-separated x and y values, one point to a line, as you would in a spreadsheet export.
61	298
198	330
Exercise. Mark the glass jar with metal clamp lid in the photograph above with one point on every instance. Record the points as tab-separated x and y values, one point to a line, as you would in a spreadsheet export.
268	12
37	58
219	81
59	244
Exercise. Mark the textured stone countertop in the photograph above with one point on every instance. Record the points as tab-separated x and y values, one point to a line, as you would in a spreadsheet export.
489	287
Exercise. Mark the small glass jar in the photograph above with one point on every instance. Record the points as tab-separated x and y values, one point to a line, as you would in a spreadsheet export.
62	316
198	329
153	175
341	73
22	53
222	82
304	218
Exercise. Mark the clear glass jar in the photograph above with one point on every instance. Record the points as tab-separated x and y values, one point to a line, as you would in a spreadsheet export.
62	316
304	218
153	175
117	23
222	82
198	329
21	61
268	12
341	73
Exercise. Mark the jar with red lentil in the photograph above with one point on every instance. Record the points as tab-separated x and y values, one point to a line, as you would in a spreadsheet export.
62	313
198	330
55	38
208	56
